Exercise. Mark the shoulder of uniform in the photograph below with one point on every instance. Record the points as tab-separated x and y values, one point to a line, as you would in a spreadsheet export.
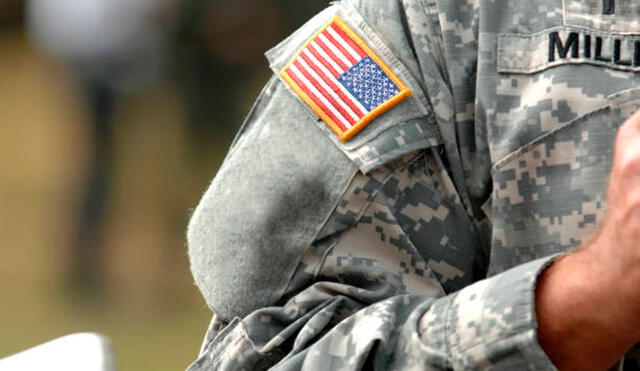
353	70
265	206
290	165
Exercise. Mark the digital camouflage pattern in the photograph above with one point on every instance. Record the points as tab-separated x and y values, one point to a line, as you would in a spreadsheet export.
416	245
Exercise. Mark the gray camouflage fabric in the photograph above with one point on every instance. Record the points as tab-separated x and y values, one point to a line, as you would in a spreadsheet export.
417	244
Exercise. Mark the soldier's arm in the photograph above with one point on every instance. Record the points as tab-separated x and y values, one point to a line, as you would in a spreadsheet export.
317	265
319	254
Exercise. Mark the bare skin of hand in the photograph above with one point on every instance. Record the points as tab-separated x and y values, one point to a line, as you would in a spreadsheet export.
588	302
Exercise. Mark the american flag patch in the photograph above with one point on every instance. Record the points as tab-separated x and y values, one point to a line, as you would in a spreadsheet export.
342	80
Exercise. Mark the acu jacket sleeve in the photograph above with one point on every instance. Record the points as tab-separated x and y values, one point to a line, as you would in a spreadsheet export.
318	254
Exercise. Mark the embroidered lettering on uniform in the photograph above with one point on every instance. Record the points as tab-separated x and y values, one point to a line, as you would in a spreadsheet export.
598	55
342	80
617	54
556	44
608	7
616	50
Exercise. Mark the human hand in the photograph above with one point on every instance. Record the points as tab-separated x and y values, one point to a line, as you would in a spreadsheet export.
588	302
618	242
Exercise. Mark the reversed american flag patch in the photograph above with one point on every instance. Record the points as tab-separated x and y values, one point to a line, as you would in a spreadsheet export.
342	80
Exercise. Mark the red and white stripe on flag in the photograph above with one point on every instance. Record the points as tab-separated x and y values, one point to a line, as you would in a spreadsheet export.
343	80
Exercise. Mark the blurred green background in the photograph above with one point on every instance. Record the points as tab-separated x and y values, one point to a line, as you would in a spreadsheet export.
166	137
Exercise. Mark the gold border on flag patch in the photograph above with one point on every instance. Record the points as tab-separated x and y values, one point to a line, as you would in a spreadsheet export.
343	80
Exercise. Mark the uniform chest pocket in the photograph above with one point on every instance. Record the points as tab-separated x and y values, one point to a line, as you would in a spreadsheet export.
548	79
549	195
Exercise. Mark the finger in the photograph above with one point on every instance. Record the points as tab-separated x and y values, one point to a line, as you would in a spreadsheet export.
629	133
633	122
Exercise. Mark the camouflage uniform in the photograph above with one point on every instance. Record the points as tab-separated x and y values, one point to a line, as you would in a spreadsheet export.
374	253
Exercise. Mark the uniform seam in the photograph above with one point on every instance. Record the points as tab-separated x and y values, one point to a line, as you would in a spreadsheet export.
561	62
315	237
527	147
545	31
391	170
428	260
323	260
235	342
504	338
436	40
447	327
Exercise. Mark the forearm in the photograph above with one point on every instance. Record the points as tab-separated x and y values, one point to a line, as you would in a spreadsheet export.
584	318
490	324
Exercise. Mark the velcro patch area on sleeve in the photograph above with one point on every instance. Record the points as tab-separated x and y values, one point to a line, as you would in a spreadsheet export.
343	80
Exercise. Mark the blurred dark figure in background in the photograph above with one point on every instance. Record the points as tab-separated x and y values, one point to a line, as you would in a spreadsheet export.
10	12
219	59
110	47
116	46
